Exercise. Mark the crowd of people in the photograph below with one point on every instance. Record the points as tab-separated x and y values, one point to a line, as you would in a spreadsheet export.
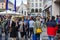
29	27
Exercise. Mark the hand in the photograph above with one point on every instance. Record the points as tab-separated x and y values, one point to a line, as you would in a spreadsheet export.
21	31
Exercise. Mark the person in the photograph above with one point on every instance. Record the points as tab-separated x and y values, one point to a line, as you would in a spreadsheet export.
37	25
47	19
1	27
22	29
42	21
58	23
31	26
26	25
6	24
14	29
57	19
51	28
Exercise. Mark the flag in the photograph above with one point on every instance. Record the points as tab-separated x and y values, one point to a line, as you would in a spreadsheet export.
6	4
15	5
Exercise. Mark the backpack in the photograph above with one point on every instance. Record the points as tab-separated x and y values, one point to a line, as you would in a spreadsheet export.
38	30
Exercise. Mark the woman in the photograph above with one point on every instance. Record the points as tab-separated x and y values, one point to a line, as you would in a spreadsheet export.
22	29
14	29
0	28
51	28
37	25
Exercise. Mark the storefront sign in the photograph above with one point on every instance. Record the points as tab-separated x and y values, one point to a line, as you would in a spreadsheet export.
48	4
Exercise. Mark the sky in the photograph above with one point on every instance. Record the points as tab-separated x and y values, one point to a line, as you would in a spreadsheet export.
19	2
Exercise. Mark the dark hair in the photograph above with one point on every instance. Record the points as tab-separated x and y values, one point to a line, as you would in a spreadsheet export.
53	18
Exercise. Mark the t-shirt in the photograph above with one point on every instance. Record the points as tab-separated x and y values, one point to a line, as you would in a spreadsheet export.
31	23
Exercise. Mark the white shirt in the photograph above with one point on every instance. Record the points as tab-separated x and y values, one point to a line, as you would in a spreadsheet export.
31	24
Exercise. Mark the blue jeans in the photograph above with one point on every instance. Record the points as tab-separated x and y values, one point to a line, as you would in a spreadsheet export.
6	35
38	36
50	37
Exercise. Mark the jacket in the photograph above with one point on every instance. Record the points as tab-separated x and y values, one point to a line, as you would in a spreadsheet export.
36	24
51	31
51	28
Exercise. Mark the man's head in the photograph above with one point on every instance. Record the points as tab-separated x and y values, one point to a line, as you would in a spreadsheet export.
53	18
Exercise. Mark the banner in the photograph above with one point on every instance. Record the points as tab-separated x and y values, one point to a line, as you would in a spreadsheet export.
15	5
6	4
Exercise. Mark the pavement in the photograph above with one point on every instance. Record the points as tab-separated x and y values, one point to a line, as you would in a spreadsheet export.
43	35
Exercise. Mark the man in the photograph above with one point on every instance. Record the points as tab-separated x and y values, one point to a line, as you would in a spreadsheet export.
6	24
31	26
26	25
51	28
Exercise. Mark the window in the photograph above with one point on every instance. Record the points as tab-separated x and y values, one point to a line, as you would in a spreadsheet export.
10	9
36	5
40	0
32	10
22	11
40	10
36	10
32	5
36	0
2	3
25	13
40	4
32	0
2	7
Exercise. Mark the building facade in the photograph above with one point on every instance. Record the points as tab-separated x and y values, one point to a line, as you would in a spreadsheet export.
3	5
23	9
47	8
51	8
10	6
56	7
35	6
